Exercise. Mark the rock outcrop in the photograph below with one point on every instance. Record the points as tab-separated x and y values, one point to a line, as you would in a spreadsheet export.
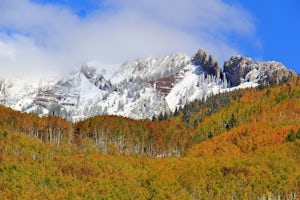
239	69
207	62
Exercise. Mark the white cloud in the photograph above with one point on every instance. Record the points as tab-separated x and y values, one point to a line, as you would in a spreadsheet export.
214	15
48	39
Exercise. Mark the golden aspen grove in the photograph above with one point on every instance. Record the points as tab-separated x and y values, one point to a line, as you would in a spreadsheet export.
244	144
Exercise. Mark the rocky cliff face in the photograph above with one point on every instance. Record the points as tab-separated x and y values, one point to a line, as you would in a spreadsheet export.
239	69
207	62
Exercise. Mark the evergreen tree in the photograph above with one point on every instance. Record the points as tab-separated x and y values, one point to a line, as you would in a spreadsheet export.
160	117
231	123
298	134
176	112
154	118
291	137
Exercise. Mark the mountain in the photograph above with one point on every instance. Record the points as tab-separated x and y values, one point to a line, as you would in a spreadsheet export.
239	69
139	89
245	145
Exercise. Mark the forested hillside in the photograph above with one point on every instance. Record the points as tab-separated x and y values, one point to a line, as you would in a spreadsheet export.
239	145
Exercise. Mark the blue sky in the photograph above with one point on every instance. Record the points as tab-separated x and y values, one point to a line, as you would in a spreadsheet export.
55	36
278	29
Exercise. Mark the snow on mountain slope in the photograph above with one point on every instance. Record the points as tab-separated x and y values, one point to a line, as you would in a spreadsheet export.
19	93
151	68
140	89
196	84
106	70
85	93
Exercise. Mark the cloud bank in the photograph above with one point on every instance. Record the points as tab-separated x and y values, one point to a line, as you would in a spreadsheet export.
47	38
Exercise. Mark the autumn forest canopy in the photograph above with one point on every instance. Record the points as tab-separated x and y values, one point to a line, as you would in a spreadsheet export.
242	144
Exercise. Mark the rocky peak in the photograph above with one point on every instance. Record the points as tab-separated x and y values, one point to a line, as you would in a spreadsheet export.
236	69
88	71
207	62
239	69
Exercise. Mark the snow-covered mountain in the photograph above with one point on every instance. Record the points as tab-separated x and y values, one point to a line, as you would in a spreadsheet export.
139	89
151	68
